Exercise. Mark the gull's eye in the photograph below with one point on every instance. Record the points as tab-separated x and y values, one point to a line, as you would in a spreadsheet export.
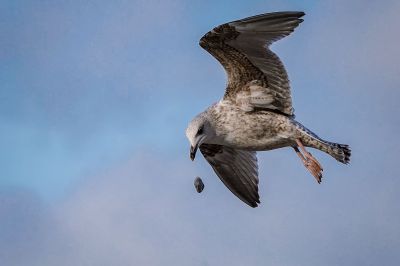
200	131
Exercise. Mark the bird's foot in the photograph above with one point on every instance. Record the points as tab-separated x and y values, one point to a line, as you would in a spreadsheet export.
312	165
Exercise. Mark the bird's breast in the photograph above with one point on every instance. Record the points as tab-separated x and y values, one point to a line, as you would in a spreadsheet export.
249	131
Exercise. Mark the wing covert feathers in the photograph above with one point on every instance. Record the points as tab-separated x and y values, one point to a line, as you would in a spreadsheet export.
242	48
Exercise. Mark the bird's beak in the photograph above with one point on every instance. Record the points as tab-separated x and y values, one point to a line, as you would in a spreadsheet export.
193	151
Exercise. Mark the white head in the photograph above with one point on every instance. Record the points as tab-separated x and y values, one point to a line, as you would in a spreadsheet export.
198	131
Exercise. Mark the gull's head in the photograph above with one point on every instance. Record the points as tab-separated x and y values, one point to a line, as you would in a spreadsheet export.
197	132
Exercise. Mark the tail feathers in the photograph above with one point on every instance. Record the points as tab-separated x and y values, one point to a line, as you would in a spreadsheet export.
340	152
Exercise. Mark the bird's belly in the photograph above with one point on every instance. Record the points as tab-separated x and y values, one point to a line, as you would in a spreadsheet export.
265	142
256	131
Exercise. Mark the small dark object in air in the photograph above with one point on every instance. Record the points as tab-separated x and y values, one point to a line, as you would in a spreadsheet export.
198	184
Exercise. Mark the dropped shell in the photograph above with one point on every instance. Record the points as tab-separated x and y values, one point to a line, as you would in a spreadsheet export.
198	184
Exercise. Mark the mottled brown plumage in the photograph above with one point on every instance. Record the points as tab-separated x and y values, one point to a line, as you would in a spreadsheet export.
256	112
242	47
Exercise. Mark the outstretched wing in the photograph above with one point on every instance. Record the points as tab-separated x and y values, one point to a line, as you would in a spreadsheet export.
237	169
256	75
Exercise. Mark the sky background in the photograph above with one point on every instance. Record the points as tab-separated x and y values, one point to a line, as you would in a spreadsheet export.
94	100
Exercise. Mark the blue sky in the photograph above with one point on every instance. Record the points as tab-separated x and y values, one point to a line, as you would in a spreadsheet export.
95	97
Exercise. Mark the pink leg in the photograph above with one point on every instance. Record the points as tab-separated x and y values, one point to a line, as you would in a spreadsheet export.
313	166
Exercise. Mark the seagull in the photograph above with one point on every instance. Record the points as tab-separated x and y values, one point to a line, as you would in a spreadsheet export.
255	113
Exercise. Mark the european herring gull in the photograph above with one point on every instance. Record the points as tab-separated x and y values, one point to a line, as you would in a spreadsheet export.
256	112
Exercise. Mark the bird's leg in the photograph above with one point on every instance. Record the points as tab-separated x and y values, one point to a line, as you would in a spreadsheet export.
313	166
308	154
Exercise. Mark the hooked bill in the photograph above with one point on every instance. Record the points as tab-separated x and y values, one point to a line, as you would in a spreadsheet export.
198	184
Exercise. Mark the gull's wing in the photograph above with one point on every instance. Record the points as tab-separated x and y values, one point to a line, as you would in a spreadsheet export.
237	169
256	75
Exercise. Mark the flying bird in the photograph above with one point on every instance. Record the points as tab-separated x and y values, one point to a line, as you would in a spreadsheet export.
255	113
